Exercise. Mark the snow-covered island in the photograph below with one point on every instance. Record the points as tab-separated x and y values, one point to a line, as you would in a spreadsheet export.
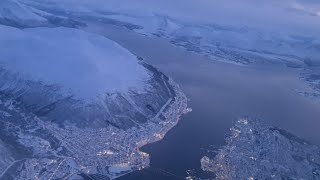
255	150
73	104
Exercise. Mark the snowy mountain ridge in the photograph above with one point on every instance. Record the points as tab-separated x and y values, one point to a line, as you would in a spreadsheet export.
214	40
241	45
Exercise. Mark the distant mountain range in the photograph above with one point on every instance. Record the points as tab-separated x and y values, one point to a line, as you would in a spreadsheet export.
232	44
242	45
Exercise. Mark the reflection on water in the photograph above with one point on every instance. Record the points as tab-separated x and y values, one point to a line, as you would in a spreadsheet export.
219	93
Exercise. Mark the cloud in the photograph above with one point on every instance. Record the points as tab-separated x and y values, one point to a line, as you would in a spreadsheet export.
308	7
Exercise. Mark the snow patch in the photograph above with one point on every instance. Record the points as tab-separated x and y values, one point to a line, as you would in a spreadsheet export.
119	168
83	63
13	10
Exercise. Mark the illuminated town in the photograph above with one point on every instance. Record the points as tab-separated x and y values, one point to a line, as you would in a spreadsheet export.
110	151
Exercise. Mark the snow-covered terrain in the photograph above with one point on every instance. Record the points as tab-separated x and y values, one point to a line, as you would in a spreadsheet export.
12	10
239	45
75	104
86	64
235	44
18	14
242	45
311	75
255	150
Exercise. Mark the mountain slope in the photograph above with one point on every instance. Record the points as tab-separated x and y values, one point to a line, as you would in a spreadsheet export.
242	45
73	102
73	62
18	14
14	13
235	44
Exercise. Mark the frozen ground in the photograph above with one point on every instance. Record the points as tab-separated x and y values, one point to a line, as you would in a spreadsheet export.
65	111
255	150
11	9
18	14
240	45
86	64
73	103
311	75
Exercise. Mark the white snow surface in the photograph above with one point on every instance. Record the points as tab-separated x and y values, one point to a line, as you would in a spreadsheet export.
119	169
86	64
206	36
13	10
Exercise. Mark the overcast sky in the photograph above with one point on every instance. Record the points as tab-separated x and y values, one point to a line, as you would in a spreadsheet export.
293	15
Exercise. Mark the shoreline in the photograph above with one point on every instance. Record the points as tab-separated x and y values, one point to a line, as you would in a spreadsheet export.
172	115
111	152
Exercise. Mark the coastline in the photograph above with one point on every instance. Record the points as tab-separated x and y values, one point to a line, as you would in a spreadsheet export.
152	132
111	152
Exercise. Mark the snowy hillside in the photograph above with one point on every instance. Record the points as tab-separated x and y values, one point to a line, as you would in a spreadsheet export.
15	13
84	63
75	104
64	89
235	44
242	45
12	9
18	14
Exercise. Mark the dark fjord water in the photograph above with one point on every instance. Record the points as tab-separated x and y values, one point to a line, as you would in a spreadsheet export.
219	93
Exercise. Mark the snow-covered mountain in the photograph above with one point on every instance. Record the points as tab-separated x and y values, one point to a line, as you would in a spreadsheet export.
241	45
75	104
15	13
21	15
87	64
72	63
